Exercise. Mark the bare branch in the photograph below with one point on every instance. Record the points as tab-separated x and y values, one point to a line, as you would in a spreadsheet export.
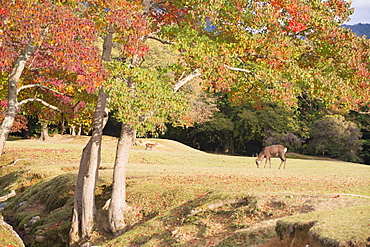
41	86
182	82
246	71
364	112
41	101
165	42
238	69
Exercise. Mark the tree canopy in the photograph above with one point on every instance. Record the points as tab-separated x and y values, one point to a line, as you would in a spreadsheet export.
275	50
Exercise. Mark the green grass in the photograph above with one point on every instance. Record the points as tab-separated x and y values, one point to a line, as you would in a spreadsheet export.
181	196
336	227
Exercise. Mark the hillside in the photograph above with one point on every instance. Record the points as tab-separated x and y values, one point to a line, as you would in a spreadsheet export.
185	197
360	29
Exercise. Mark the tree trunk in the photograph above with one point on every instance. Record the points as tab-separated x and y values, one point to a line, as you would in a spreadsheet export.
84	198
72	130
79	132
62	124
44	132
118	203
13	80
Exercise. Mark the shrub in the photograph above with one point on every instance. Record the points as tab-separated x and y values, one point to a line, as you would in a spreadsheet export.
290	140
335	137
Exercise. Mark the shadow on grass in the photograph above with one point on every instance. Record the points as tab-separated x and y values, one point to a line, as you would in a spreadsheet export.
53	192
8	181
174	218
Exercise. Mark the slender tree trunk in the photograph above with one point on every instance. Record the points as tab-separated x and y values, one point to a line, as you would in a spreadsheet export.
84	199
118	203
13	80
72	129
118	200
62	124
44	132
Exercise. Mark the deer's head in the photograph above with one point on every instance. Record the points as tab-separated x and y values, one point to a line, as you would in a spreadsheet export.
258	162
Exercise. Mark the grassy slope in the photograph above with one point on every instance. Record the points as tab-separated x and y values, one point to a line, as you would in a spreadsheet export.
184	197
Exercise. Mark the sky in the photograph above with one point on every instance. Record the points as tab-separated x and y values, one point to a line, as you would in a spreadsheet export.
362	12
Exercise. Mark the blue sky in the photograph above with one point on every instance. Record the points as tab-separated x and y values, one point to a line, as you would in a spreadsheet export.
362	12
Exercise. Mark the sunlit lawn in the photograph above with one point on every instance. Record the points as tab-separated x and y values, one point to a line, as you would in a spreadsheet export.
172	163
173	175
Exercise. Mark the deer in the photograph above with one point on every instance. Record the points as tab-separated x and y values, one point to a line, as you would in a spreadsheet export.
150	146
272	151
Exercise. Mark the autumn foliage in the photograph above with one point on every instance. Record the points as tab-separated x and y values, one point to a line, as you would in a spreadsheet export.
276	50
65	67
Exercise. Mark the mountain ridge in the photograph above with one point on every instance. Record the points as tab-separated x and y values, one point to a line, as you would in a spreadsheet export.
360	29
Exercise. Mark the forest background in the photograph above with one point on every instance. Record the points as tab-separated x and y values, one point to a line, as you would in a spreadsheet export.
222	126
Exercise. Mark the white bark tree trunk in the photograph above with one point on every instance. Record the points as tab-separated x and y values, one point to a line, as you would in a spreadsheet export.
84	199
72	130
79	130
118	203
44	132
13	80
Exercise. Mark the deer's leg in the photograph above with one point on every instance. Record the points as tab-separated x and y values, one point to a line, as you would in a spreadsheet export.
283	160
265	162
270	161
268	158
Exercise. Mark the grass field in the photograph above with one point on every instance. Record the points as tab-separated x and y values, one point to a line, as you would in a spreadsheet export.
185	197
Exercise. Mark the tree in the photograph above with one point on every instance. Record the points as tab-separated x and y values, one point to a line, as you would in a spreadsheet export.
143	99
219	130
44	47
336	137
240	128
276	50
125	21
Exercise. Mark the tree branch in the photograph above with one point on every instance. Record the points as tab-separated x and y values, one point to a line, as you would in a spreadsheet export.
176	87
165	42
44	87
244	70
238	69
41	101
364	112
183	81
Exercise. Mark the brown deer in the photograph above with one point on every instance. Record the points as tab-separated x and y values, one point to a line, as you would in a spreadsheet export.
150	146
272	151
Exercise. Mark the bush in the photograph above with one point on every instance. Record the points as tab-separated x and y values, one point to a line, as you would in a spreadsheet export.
335	137
289	140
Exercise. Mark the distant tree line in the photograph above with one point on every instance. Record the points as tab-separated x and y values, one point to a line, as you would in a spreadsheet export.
309	129
242	129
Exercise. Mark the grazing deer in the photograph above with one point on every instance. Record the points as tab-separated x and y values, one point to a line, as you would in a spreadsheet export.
271	151
150	146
